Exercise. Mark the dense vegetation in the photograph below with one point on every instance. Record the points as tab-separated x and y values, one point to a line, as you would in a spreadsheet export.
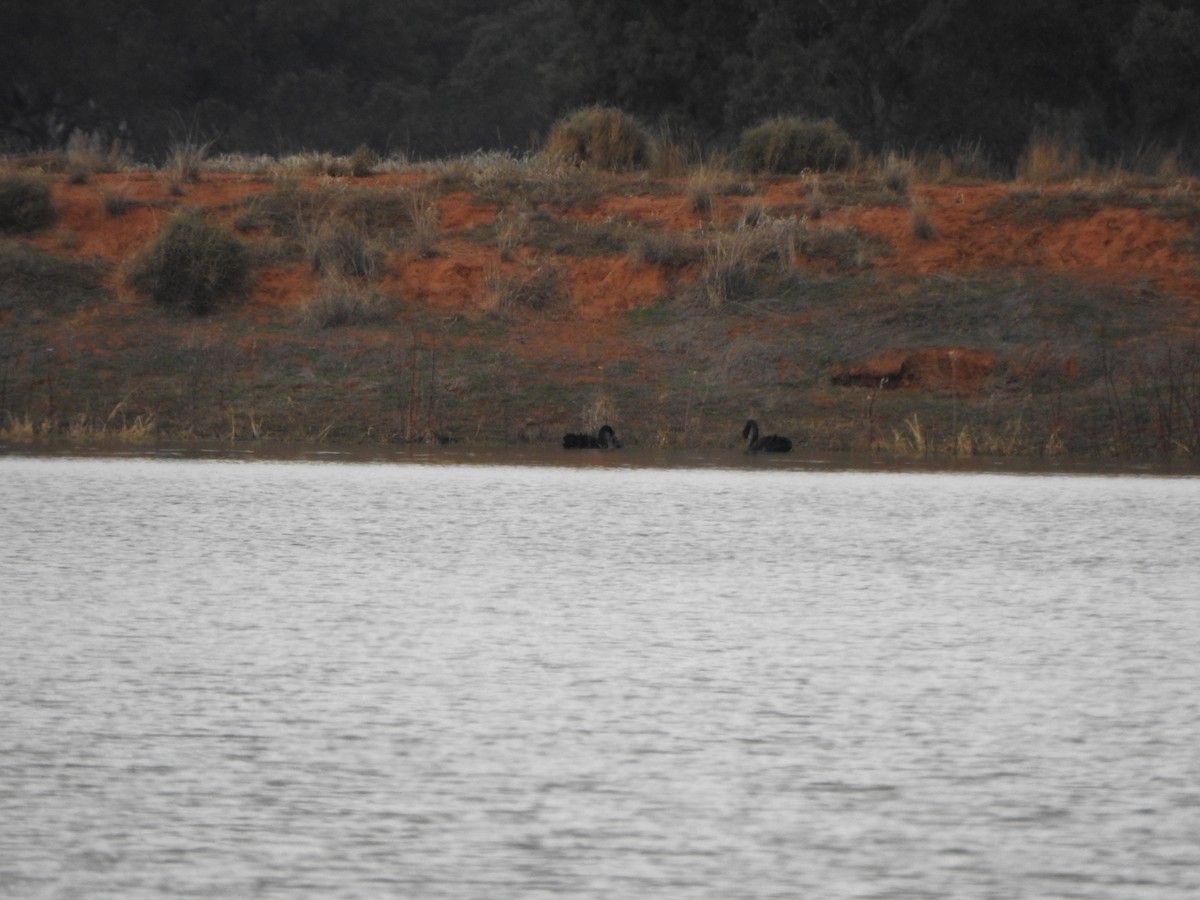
1114	78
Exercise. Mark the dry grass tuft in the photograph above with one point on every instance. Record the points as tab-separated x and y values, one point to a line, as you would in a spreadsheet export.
141	429
527	183
340	248
912	440
1047	161
670	249
89	154
922	228
743	264
425	226
898	172
185	160
700	193
118	427
342	303
539	290
814	200
670	158
513	230
23	430
705	184
363	162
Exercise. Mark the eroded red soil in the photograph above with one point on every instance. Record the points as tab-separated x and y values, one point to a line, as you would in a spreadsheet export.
1110	244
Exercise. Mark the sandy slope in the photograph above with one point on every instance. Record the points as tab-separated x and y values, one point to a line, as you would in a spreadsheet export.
1109	244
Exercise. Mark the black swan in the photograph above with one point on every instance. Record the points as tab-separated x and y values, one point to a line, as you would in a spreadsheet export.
603	439
771	443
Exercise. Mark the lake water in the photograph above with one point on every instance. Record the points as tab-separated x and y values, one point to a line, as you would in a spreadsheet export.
296	679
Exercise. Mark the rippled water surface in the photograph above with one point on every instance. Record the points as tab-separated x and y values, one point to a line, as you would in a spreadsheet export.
272	679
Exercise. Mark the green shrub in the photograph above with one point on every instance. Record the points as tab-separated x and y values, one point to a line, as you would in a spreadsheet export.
25	205
788	145
195	264
602	137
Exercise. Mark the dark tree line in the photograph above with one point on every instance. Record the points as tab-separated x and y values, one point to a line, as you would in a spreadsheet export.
436	77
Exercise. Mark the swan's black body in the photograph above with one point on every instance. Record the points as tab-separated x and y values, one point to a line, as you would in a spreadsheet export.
604	439
771	443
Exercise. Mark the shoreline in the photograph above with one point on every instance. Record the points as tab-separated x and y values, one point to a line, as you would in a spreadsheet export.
618	459
509	304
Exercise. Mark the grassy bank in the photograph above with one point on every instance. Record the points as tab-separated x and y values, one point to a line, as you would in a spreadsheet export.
497	300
